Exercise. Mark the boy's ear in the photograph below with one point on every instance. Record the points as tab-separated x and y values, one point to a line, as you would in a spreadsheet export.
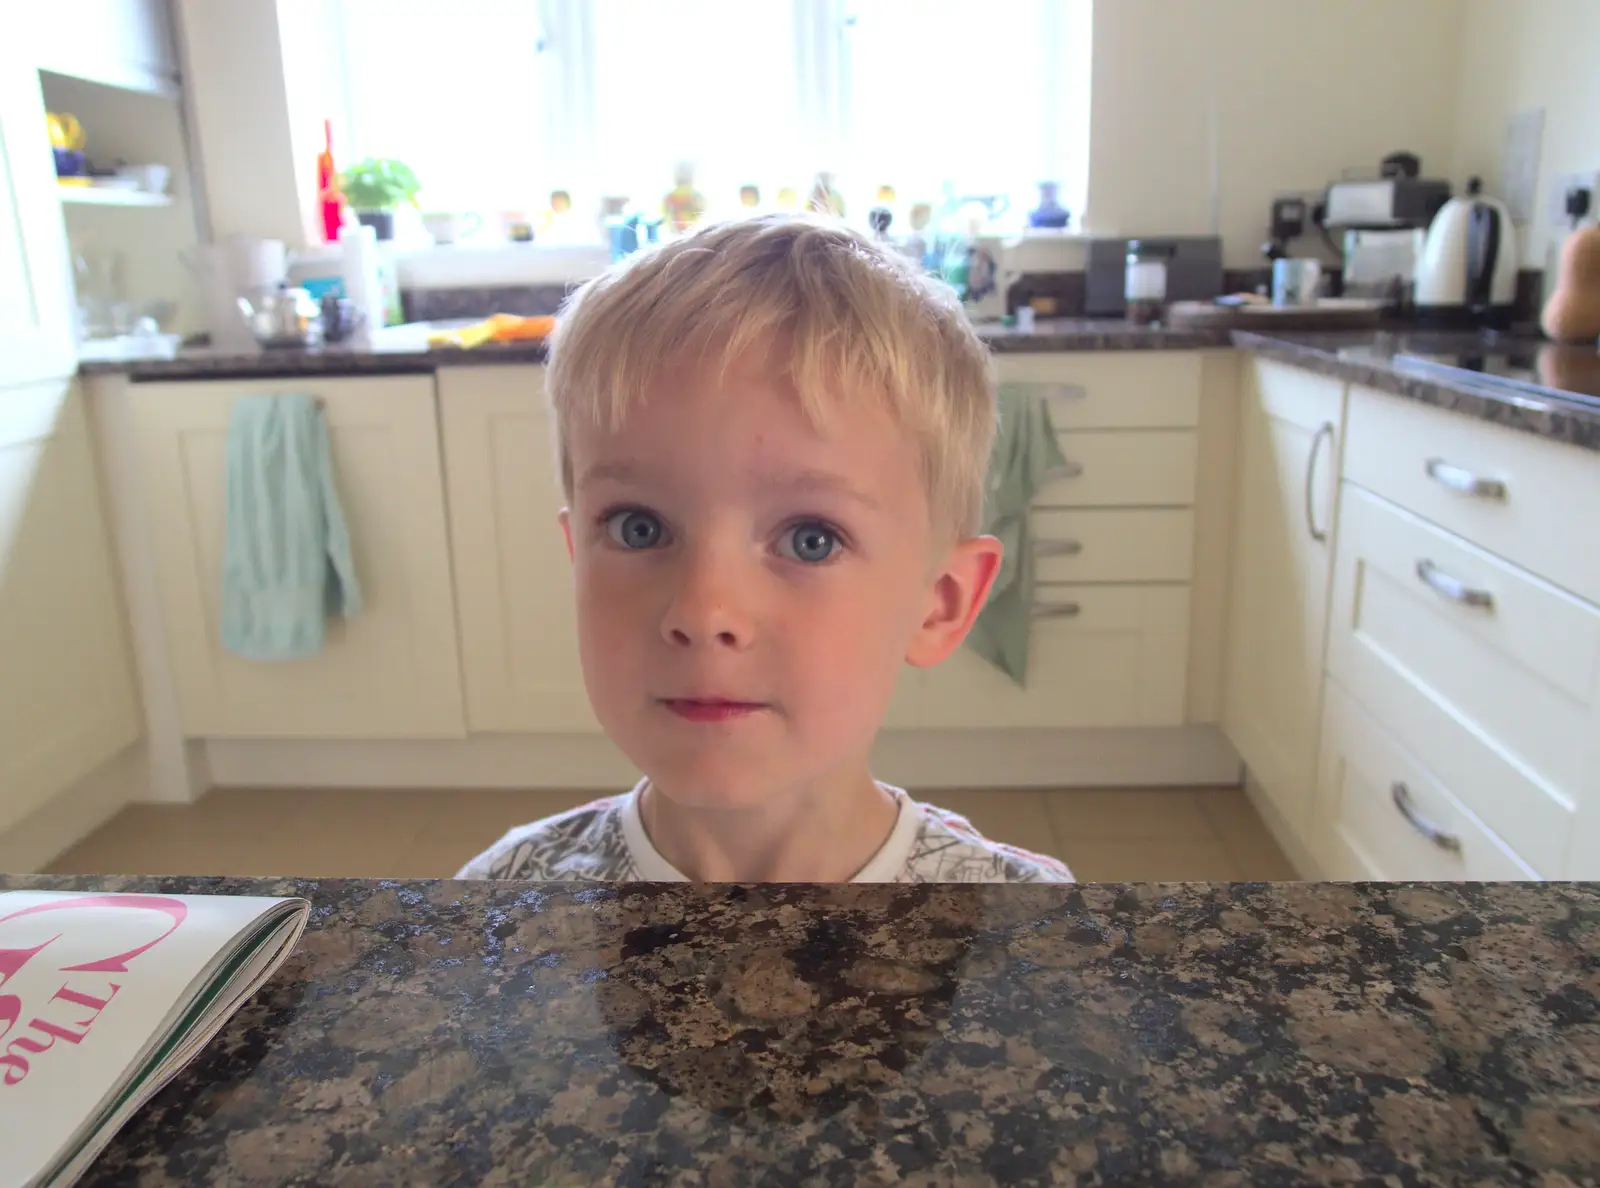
960	588
564	518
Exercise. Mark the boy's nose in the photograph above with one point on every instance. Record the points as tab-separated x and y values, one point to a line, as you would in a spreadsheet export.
706	608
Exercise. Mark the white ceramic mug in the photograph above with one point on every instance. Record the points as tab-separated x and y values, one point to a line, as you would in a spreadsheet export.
447	227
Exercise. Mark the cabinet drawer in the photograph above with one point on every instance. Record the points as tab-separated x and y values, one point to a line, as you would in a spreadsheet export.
1377	805
1411	453
1490	676
1100	545
1120	658
1154	468
1111	390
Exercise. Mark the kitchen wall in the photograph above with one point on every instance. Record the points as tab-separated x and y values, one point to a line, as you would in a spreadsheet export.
1303	90
234	77
1523	54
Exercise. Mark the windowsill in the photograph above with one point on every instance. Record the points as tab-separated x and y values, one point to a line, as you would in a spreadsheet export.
485	263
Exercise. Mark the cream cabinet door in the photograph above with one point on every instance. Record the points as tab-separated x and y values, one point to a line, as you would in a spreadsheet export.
393	670
1106	655
519	644
35	291
67	702
1290	421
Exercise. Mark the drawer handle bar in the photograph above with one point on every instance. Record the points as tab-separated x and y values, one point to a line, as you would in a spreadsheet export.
1439	837
1057	548
1452	588
1056	610
1458	479
1325	430
1066	470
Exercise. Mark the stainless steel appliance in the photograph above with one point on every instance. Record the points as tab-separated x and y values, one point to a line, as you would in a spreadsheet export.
1383	203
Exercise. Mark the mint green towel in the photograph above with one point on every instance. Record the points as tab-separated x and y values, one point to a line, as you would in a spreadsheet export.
286	563
1026	455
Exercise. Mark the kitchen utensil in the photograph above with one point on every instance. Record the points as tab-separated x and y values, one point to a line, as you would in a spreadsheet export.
1268	319
284	317
1294	282
1468	271
340	318
446	226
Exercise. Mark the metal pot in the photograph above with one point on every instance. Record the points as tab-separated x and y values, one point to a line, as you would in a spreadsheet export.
283	318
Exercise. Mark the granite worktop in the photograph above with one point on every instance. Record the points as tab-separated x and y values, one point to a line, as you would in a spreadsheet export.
515	1033
1376	359
401	350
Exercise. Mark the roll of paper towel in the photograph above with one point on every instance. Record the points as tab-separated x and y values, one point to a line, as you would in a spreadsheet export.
362	283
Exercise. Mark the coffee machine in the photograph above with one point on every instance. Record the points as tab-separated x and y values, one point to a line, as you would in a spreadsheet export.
1382	223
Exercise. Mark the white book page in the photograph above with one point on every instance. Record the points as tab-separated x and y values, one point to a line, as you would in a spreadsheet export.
88	982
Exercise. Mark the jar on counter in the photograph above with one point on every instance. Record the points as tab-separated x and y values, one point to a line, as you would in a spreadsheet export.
1145	286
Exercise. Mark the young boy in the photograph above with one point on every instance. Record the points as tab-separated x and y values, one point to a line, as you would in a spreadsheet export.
772	437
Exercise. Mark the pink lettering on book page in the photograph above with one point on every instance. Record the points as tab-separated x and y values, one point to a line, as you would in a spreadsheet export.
72	1009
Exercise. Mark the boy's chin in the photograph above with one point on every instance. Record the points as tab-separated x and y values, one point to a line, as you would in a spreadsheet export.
714	787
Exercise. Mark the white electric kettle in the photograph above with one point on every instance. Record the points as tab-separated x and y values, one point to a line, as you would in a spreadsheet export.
1468	270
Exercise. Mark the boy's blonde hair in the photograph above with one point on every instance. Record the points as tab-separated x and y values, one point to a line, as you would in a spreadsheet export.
846	317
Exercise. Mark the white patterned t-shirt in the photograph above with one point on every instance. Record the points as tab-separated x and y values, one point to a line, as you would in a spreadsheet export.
606	842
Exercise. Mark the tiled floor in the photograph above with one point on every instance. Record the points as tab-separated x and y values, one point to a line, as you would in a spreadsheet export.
1119	835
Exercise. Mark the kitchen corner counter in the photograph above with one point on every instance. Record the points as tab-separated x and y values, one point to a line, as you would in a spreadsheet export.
404	350
448	1032
1369	358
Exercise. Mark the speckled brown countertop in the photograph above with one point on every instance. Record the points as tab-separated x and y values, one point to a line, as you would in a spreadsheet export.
1370	358
464	1033
404	350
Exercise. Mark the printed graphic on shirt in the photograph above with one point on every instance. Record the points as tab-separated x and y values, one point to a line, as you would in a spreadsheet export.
590	844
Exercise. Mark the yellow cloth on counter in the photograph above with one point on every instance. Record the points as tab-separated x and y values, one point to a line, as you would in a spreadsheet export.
499	328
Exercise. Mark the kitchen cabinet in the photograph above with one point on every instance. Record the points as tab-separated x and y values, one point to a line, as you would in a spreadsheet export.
513	577
1290	427
393	671
36	340
120	43
1099	656
67	701
1470	630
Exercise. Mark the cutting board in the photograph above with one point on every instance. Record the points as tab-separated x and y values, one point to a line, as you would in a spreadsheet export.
1325	315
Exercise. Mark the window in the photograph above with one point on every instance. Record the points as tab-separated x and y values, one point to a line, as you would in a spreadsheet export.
497	103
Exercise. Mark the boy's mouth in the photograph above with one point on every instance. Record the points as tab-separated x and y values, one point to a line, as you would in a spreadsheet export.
711	709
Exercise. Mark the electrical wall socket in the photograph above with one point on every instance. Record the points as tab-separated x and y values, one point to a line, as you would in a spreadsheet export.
1556	199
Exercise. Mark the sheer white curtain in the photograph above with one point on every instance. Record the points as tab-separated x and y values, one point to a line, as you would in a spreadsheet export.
989	96
495	103
454	88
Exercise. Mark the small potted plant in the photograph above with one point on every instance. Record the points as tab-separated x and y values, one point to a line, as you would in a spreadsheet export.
374	188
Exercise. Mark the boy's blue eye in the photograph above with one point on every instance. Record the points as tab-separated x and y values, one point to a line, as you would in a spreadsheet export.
811	542
634	529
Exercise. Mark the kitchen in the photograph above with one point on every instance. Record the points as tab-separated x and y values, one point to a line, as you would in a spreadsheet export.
1246	588
1185	690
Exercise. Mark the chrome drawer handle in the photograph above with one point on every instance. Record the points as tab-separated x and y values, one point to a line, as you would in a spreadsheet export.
1067	470
1439	837
1324	430
1056	610
1057	548
1458	479
1452	588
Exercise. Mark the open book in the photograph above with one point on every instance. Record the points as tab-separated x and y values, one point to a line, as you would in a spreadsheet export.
104	996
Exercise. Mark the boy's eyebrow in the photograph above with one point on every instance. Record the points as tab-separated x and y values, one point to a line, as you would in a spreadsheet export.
809	481
828	483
